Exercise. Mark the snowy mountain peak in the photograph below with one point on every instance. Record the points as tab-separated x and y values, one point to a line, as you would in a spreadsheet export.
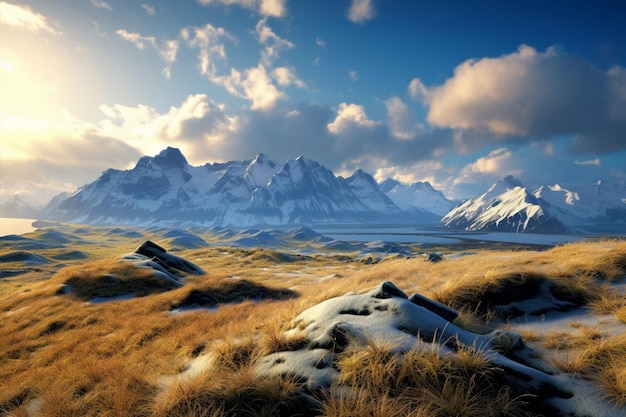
166	190
509	182
388	184
360	175
170	158
505	207
420	195
260	170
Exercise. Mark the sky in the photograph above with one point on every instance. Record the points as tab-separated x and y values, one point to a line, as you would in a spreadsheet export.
456	93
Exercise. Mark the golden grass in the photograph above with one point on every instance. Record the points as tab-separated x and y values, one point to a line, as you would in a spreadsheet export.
61	355
426	381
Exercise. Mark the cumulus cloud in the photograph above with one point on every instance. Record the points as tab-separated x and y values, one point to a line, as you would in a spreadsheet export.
422	171
348	117
144	126
24	17
496	162
361	11
320	42
532	95
401	122
286	76
272	8
209	42
253	84
100	4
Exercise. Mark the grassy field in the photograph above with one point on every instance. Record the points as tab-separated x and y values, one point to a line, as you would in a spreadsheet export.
83	334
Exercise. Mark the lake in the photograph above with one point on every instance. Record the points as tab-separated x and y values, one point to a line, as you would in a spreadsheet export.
10	226
439	235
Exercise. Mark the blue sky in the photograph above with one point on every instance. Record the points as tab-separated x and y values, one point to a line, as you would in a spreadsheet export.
452	92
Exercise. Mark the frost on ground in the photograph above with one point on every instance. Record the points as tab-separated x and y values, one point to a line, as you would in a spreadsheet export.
387	315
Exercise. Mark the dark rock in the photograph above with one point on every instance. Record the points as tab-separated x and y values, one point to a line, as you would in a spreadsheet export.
160	255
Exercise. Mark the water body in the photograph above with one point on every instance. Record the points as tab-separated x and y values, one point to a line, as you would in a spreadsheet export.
437	235
9	226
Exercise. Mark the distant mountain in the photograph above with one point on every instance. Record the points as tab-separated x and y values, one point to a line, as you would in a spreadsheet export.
16	207
419	194
595	207
508	206
167	190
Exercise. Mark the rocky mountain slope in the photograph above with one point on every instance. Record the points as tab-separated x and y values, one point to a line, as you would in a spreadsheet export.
509	206
167	190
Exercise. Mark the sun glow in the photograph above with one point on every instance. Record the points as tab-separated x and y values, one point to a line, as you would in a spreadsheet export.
7	66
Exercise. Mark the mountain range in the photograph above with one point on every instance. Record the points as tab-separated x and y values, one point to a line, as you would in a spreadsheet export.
166	190
509	206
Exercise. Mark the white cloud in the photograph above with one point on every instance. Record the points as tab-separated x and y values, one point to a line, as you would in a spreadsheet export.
361	11
423	171
594	162
272	8
418	91
253	84
167	52
149	9
494	163
143	124
60	147
348	117
531	95
274	43
208	40
400	120
24	17
320	42
136	39
354	76
100	4
286	76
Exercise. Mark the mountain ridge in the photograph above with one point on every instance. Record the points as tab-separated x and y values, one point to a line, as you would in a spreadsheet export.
509	206
166	189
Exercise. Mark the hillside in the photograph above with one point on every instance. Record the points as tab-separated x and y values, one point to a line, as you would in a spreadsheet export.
96	323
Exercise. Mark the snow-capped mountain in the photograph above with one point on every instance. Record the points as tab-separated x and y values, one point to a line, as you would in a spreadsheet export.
418	194
509	206
167	190
17	207
599	206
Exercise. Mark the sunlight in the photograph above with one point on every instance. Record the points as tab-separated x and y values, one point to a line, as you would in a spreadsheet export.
7	66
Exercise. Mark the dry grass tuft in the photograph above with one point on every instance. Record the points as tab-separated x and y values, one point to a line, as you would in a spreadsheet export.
424	380
361	403
230	392
489	290
613	381
111	278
